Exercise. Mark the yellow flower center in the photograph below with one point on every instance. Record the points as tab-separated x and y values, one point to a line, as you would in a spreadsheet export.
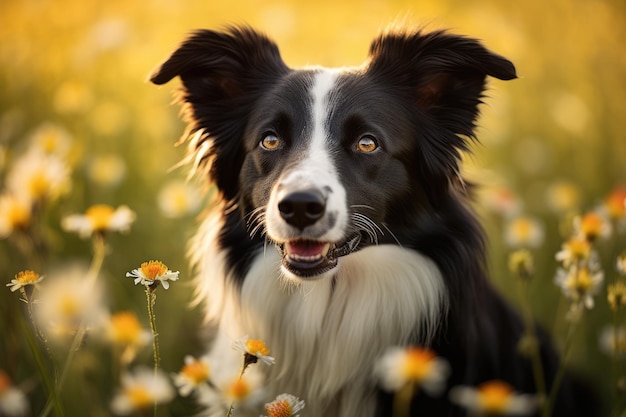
617	295
494	396
126	328
196	371
580	281
100	216
418	364
153	269
38	185
239	389
278	408
139	397
591	226
616	203
523	228
69	306
579	248
27	277
257	348
18	216
50	141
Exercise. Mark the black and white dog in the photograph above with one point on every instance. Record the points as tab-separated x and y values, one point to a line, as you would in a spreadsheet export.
343	225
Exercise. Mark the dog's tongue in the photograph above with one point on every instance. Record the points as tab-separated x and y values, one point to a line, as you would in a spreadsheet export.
306	248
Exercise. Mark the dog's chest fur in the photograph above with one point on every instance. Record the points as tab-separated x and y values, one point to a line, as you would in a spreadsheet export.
325	335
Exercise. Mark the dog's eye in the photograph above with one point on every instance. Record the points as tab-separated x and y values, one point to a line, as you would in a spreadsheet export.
367	144
271	142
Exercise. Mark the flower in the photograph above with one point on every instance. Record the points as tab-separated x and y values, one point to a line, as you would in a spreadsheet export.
563	196
99	218
501	200
152	272
242	389
616	295
124	330
493	398
52	139
613	341
615	203
37	176
579	284
195	372
521	263
285	405
178	198
412	365
68	301
23	279
574	251
253	350
592	226
140	390
15	214
107	170
524	231
13	402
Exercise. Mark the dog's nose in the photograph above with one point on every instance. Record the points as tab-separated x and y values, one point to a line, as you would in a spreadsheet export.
302	208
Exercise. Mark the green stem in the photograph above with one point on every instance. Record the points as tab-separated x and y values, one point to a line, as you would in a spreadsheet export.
53	399
535	354
151	300
99	252
561	370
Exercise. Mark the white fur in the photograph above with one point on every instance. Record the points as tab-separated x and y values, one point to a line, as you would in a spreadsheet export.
326	335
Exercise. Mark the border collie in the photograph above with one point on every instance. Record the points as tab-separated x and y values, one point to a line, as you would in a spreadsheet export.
343	226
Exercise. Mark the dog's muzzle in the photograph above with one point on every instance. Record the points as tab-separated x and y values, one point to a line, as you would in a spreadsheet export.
304	256
310	258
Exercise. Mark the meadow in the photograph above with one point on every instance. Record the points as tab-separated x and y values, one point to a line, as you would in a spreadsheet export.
92	189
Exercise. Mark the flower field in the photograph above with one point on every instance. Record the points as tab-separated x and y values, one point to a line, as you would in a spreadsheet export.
96	313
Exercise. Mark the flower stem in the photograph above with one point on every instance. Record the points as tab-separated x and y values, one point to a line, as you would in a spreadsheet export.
99	252
53	400
151	300
547	409
535	354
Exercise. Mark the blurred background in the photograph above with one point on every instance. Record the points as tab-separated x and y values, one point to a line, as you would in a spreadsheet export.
73	76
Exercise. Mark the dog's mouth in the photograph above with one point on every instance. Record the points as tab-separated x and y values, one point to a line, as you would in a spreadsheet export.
310	258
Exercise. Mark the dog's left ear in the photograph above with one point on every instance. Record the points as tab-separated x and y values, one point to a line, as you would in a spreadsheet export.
443	78
444	71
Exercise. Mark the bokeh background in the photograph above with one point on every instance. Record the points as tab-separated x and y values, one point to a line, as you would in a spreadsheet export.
551	142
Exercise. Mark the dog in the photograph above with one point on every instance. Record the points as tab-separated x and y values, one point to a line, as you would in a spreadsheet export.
343	226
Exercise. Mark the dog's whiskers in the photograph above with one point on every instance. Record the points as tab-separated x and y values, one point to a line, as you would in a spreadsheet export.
255	221
366	224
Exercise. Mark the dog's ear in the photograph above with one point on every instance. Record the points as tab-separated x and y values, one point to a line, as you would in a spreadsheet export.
222	74
443	76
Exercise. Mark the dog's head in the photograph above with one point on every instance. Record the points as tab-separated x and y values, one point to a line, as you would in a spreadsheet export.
323	162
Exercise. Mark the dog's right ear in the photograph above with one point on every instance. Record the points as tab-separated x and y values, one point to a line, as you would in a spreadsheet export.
224	60
223	74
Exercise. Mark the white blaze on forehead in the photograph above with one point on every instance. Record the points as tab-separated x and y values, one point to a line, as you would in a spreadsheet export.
317	159
314	170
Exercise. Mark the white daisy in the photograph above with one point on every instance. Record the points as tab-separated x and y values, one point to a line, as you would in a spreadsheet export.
285	405
194	373
141	390
23	279
99	218
152	272
254	349
401	366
